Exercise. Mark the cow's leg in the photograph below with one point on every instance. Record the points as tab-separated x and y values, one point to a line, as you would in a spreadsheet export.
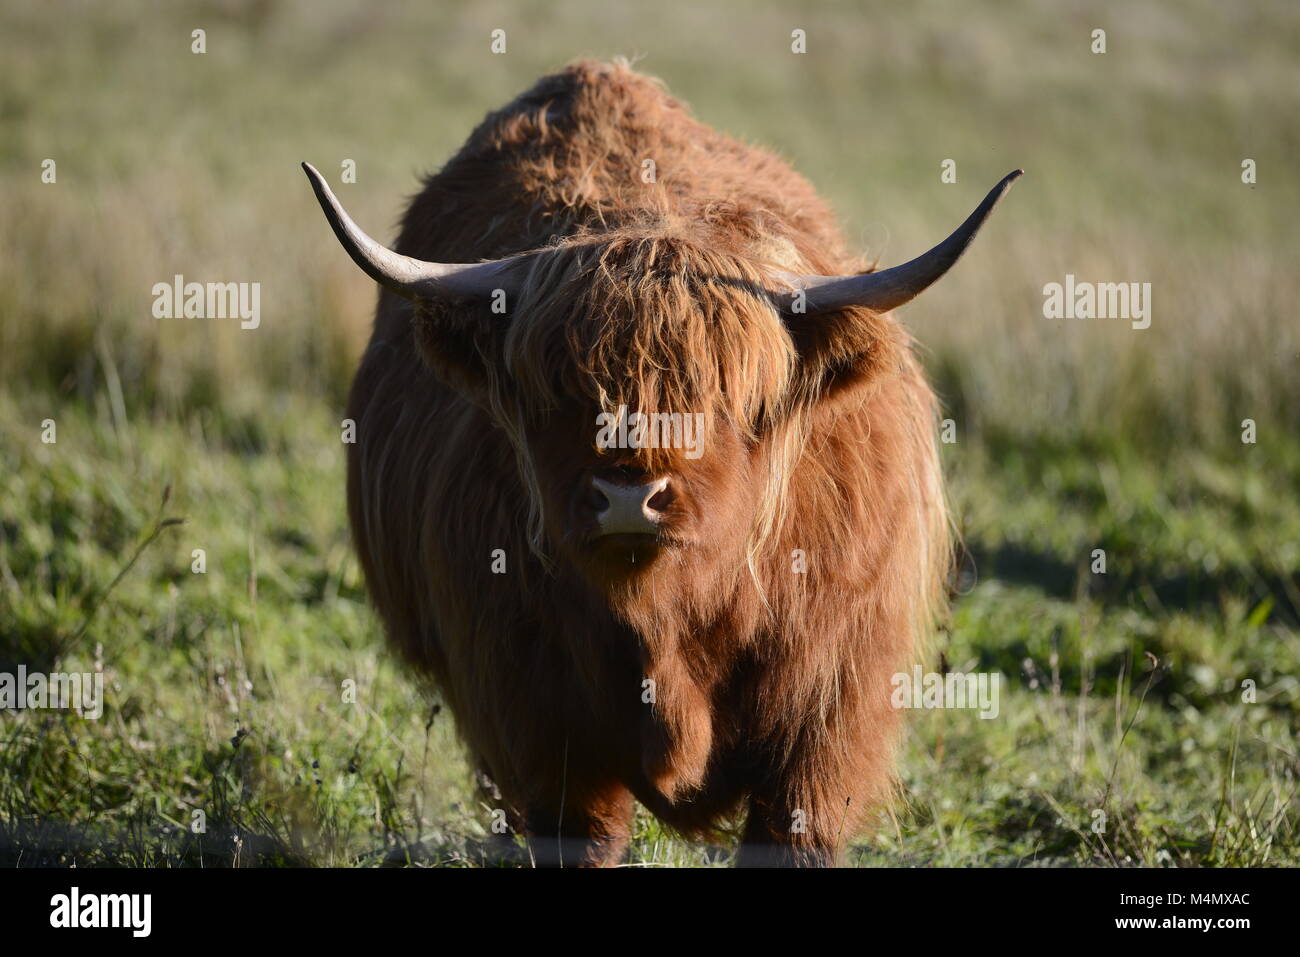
778	833
816	781
801	816
593	830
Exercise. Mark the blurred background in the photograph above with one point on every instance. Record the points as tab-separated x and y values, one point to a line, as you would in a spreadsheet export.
1124	691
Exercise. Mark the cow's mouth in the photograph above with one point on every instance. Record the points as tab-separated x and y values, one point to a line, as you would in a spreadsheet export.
628	550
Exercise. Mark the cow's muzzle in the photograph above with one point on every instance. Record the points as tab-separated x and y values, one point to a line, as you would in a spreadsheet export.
629	508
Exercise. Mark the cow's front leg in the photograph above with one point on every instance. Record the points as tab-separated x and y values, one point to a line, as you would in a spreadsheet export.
592	830
781	832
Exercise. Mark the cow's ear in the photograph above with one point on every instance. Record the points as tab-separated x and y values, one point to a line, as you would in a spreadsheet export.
841	352
462	341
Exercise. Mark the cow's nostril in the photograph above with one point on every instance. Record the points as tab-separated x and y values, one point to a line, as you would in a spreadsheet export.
595	499
661	499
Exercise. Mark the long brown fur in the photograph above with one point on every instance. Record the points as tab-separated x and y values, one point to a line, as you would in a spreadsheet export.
771	686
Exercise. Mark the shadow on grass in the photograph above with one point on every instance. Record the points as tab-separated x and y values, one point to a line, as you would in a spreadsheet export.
1184	591
45	842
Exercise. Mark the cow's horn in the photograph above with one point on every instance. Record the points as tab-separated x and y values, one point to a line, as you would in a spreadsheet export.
890	288
406	276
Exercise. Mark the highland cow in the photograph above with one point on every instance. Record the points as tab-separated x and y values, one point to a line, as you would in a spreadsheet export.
705	634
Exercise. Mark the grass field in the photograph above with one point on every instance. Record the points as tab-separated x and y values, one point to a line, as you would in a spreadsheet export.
1124	736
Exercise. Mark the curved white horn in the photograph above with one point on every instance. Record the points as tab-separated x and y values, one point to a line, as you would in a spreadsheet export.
890	288
406	276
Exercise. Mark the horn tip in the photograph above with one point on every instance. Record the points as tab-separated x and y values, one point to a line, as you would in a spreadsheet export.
319	186
1004	184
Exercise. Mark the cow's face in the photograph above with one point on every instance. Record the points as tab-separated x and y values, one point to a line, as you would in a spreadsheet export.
619	512
657	395
644	380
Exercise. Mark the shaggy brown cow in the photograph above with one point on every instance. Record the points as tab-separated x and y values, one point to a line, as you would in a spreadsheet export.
699	631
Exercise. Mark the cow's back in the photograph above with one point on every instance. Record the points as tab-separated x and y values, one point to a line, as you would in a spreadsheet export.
575	151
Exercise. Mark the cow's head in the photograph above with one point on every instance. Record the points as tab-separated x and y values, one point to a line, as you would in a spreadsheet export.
658	379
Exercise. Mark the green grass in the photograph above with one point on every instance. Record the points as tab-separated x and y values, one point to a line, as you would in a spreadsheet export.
225	690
